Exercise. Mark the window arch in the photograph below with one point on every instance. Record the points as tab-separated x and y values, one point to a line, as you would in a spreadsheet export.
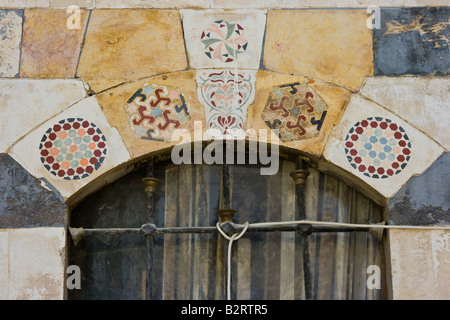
265	265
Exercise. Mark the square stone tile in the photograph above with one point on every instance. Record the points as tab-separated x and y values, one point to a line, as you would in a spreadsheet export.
38	99
123	45
378	147
330	45
412	41
10	38
72	148
224	38
49	48
422	101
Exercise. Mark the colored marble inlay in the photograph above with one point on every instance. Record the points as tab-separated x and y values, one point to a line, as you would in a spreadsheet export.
73	148
226	95
155	111
296	111
224	41
377	147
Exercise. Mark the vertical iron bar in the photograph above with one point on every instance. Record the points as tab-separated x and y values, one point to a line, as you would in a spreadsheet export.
149	238
299	176
226	203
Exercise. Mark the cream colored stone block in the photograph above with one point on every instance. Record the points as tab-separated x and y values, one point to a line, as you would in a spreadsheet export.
4	264
423	102
25	104
89	4
123	45
237	4
10	38
379	148
224	38
73	148
420	263
330	45
37	262
157	4
24	3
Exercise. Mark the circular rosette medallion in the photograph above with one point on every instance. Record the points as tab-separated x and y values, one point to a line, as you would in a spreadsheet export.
73	148
377	147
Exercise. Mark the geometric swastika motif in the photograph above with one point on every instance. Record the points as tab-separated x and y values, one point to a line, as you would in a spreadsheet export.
295	110
155	111
377	147
72	149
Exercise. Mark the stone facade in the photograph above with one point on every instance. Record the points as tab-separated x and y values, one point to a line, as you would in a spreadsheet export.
100	86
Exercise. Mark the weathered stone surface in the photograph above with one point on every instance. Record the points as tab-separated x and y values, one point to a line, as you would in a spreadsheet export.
89	4
264	4
378	147
123	45
152	4
49	48
10	37
206	4
224	39
72	149
117	104
412	41
4	264
36	263
24	104
305	42
424	199
24	201
25	3
334	97
420	263
422	101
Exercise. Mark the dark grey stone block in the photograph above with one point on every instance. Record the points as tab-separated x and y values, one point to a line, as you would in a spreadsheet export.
24	202
412	41
424	199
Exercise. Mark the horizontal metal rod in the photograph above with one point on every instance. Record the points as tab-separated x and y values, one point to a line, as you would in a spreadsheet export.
238	228
227	227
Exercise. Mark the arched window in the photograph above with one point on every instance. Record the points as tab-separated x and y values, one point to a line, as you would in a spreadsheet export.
264	265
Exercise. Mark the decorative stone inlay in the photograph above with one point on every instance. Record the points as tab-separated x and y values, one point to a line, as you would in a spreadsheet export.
224	38
226	94
155	111
400	151
73	148
295	110
224	41
377	147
